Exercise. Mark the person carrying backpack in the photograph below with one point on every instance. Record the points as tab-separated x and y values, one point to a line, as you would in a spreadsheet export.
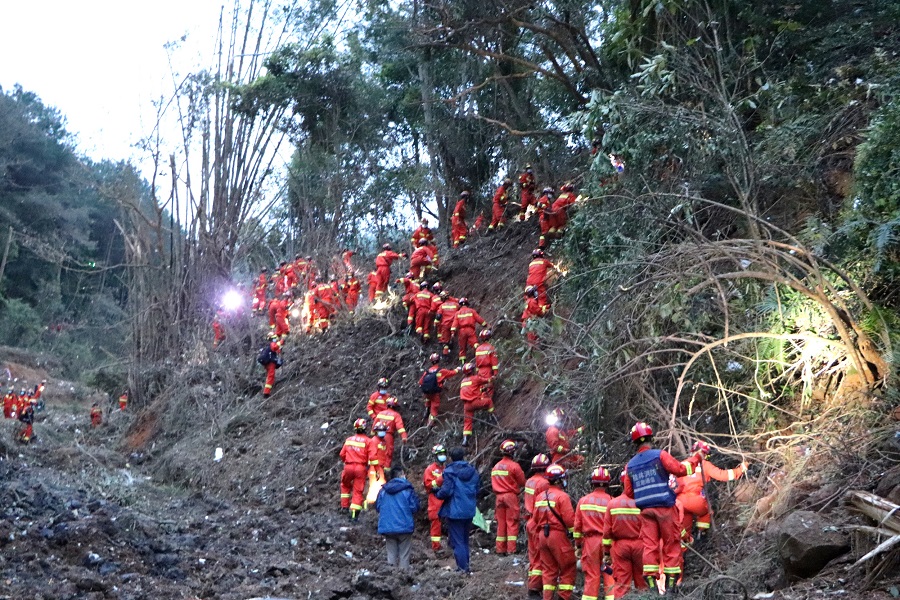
270	358
432	384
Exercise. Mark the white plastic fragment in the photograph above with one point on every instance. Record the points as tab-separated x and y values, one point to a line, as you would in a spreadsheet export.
219	454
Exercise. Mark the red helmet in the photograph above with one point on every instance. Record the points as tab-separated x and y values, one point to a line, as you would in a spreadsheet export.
435	358
422	242
359	425
485	334
386	247
640	431
555	473
383	382
391	401
537	252
540	462
463	301
379	426
469	368
701	447
600	475
507	446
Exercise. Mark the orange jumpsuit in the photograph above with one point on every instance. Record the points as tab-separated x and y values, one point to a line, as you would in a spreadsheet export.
290	276
535	486
533	309
464	321
123	401
376	403
433	401
433	479
622	541
471	392
691	493
560	212
560	446
545	217
372	280
282	326
526	187
259	293
376	450
556	551
421	261
218	331
394	421
507	481
421	233
590	520
383	263
447	312
410	289
459	229
538	272
487	364
355	456
498	211
96	416
347	259
275	346
423	302
324	305
350	291
10	404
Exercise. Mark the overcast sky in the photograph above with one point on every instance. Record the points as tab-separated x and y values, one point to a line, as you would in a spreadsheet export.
101	62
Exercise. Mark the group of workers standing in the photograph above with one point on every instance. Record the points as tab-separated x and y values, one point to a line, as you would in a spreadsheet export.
21	406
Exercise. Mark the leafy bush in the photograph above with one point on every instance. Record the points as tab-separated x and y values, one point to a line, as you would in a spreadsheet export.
20	325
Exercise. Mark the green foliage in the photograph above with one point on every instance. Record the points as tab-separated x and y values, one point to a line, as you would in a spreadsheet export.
20	324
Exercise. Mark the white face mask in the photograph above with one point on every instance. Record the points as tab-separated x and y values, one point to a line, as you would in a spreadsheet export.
382	434
442	458
382	391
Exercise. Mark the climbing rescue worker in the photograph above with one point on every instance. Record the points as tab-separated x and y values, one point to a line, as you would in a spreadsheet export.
542	207
350	290
410	289
96	415
464	322
423	302
432	480
259	291
444	316
218	328
507	481
622	543
26	417
486	361
534	488
590	520
422	232
347	260
472	394
376	402
376	450
271	360
559	440
560	209
432	384
526	191
498	212
690	490
383	263
10	404
372	281
123	401
355	456
459	229
390	417
539	270
533	310
554	520
422	260
647	480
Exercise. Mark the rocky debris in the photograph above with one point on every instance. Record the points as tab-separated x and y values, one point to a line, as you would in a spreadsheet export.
889	485
807	541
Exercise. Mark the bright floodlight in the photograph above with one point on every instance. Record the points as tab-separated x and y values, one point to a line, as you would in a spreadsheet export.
232	300
552	419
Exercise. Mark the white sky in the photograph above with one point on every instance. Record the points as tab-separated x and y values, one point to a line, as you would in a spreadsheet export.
102	62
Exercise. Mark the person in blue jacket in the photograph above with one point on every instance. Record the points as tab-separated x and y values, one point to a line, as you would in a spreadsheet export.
396	504
459	492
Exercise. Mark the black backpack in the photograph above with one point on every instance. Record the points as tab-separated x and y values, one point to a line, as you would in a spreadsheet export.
430	383
267	355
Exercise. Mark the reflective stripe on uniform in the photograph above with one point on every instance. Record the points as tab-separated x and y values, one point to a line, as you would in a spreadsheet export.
355	444
625	511
593	508
499	473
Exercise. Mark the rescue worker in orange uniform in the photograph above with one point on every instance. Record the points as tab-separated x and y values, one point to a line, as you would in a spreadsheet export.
526	191
464	322
647	480
390	417
301	269
590	521
560	210
410	289
350	290
312	273
96	415
10	404
622	543
372	281
545	217
539	270
444	316
274	344
324	305
459	229
533	310
259	292
471	393
377	450
383	263
479	224
432	385
486	360
432	480
123	401
690	490
347	259
377	399
290	276
500	200
507	482
26	417
279	279
282	325
423	301
534	488
355	456
554	520
422	232
218	328
559	440
422	260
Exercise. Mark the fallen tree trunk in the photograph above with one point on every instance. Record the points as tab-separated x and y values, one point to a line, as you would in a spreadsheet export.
886	513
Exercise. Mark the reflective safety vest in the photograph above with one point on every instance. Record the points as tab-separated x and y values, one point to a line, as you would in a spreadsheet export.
650	480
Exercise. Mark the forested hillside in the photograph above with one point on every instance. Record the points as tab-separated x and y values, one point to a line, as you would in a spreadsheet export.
736	280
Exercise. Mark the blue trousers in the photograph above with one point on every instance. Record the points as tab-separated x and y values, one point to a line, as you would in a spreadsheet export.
458	534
